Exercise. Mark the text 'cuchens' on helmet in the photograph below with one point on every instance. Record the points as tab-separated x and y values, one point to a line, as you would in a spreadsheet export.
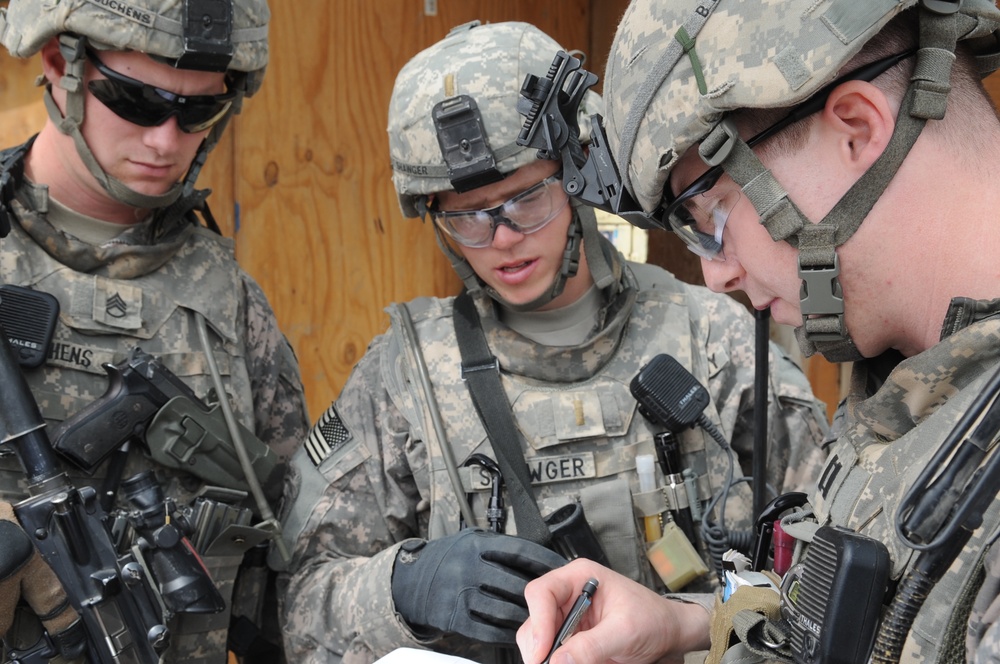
477	70
676	68
222	35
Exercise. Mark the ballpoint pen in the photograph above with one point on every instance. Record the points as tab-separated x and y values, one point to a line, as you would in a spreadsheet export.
574	616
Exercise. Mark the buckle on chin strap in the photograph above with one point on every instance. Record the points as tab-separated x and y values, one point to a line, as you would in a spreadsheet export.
822	298
716	147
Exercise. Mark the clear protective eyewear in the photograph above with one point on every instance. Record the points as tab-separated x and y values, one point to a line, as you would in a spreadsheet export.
698	219
528	212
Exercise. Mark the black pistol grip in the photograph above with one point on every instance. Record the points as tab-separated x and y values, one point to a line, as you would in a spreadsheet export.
104	425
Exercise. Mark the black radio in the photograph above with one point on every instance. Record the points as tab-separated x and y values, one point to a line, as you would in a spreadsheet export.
832	600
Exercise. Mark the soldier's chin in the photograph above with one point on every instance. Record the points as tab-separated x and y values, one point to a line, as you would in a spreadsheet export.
150	188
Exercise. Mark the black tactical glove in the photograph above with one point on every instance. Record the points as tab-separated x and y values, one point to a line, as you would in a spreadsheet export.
470	583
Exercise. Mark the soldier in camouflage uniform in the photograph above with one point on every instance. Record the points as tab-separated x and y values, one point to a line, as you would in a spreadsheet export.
802	120
105	217
401	461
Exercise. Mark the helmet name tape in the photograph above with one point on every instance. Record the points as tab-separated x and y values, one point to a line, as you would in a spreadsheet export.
126	10
412	169
210	35
464	146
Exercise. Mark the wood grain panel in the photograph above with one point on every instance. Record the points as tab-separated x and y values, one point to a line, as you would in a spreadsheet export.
604	18
21	111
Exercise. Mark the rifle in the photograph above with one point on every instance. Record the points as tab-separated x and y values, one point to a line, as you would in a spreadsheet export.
124	599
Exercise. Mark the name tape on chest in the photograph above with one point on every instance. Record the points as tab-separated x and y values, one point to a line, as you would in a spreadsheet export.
545	470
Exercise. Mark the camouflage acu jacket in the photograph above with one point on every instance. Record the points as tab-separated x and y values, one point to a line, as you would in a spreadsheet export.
143	289
892	434
898	415
372	472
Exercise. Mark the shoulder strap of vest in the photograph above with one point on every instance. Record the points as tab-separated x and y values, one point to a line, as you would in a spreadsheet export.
481	372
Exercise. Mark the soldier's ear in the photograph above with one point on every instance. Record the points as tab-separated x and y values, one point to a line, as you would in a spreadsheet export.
859	120
53	63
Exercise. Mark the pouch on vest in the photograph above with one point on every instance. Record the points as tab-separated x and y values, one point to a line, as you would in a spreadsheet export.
184	436
741	625
192	631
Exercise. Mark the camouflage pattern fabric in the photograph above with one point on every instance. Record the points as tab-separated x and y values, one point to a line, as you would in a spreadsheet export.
372	475
147	26
144	290
487	63
417	164
983	638
675	69
890	437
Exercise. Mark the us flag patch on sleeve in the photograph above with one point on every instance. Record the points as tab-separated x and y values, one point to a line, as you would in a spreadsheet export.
327	436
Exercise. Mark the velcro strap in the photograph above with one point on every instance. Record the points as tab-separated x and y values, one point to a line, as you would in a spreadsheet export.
932	75
930	100
987	62
817	244
823	325
777	213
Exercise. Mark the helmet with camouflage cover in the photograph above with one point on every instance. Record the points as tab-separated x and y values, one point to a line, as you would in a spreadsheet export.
217	35
484	62
677	70
209	35
453	125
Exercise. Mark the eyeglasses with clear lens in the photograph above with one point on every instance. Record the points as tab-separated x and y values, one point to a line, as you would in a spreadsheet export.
149	106
700	218
528	212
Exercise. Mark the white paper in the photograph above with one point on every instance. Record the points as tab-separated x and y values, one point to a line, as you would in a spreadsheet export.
414	656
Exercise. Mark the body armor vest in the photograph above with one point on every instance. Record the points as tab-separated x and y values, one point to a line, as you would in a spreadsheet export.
574	408
892	438
102	317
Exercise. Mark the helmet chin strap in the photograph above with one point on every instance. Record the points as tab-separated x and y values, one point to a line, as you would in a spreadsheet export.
821	295
72	49
570	266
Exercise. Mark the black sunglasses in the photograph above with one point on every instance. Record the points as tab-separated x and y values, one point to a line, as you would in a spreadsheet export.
671	205
149	106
